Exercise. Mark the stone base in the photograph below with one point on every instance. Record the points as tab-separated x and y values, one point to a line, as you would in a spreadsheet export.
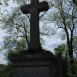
29	64
30	55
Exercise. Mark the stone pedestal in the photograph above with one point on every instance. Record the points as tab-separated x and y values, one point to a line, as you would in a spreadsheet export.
42	64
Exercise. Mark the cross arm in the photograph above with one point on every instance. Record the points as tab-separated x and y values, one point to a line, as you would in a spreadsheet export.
25	9
43	6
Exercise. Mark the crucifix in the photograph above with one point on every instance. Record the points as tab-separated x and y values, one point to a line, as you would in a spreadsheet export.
34	9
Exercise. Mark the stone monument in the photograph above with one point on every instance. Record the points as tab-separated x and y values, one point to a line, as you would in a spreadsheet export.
34	9
34	62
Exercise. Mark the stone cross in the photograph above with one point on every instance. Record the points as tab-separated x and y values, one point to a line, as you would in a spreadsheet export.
34	9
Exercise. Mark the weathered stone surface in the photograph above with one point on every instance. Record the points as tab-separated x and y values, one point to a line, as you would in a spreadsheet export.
34	9
34	71
33	65
41	58
43	64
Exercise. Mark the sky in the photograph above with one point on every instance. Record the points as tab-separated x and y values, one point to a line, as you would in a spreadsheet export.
50	43
2	57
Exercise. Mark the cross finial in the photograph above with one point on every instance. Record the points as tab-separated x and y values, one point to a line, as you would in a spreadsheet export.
34	8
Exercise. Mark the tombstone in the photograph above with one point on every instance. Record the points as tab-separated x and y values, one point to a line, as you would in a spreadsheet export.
34	62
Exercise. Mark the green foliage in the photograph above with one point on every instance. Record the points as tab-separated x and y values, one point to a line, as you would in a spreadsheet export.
60	51
64	16
5	71
70	70
16	26
75	67
75	43
14	44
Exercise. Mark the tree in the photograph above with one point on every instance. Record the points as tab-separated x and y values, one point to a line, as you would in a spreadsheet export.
60	51
17	28
64	16
6	71
75	45
74	1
